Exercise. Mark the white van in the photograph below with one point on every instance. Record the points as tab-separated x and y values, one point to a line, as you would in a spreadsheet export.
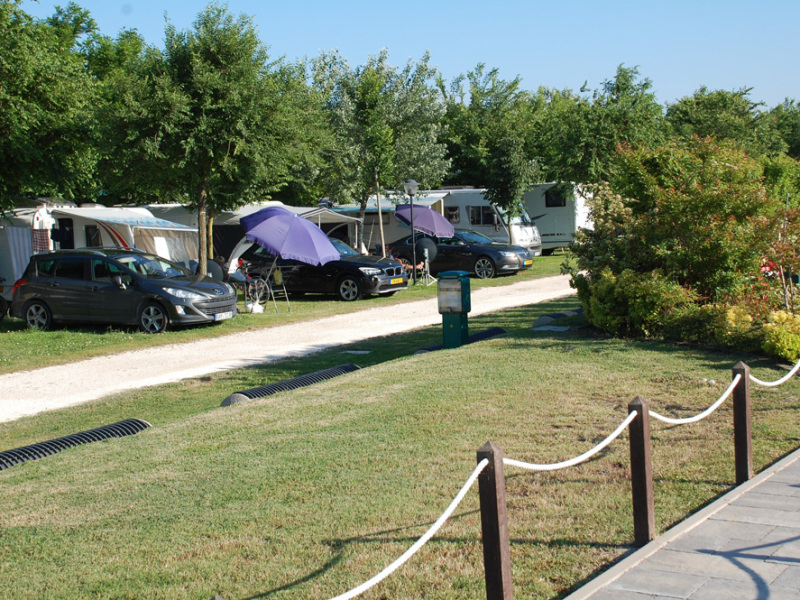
558	210
469	209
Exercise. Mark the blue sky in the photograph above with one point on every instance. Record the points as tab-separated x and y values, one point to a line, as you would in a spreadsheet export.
678	44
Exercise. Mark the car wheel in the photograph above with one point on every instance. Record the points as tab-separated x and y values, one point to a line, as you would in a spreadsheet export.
349	289
38	315
153	318
3	308
484	268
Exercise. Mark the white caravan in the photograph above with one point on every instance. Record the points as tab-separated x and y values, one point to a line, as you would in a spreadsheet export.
558	210
469	209
26	231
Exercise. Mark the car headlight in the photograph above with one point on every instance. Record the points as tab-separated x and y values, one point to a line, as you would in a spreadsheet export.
184	294
370	271
229	287
508	254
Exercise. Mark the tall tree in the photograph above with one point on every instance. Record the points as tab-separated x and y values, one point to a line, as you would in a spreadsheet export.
386	122
46	101
729	116
210	119
488	133
787	120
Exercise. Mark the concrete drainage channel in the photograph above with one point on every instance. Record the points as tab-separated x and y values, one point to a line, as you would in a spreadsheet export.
9	458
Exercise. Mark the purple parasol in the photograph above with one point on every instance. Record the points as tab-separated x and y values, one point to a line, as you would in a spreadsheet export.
426	220
288	235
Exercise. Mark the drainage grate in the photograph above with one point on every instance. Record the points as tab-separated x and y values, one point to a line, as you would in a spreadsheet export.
475	337
289	384
9	458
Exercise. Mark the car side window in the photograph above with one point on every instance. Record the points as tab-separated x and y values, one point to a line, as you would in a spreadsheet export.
46	268
103	270
70	267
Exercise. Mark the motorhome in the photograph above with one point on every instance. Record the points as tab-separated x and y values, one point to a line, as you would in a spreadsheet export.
470	209
558	210
60	226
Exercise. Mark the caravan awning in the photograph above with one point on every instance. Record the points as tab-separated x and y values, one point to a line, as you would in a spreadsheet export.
123	216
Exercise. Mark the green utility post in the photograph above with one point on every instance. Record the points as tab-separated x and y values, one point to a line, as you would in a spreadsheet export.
454	304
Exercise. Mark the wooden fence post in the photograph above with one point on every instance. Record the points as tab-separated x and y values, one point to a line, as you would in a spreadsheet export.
644	522
494	524
742	425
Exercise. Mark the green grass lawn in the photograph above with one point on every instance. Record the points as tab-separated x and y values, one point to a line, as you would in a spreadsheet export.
21	348
308	493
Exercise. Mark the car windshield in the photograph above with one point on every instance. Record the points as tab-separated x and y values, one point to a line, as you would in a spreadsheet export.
342	248
522	218
151	266
473	237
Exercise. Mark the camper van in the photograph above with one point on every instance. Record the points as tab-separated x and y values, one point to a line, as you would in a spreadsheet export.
558	210
52	226
469	209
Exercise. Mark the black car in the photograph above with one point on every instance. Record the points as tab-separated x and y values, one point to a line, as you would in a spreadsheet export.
465	251
350	278
117	286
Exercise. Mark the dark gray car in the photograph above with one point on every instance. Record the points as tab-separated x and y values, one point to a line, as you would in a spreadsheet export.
117	286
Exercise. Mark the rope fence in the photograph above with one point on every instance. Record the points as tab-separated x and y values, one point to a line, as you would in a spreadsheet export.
490	474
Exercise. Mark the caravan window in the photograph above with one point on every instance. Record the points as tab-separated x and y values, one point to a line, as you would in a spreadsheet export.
482	215
93	239
554	198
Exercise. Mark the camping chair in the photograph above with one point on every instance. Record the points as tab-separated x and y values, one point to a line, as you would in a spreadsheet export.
426	276
276	286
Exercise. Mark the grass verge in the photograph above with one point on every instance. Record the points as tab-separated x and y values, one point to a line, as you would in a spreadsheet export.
308	493
21	348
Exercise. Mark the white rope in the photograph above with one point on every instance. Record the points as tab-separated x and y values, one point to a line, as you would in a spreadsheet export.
578	459
780	381
421	541
703	414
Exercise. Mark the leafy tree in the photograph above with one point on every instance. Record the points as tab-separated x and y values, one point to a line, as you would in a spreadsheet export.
685	216
726	116
209	120
787	120
386	124
488	135
46	102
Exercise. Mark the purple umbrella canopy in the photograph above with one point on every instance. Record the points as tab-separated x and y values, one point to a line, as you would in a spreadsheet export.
288	235
426	220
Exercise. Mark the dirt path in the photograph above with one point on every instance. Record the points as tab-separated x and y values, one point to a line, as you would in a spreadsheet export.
30	392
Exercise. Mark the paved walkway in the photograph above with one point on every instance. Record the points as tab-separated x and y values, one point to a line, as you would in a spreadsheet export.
31	392
744	546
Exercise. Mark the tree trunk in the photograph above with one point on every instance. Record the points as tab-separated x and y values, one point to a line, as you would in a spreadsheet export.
380	215
210	234
202	231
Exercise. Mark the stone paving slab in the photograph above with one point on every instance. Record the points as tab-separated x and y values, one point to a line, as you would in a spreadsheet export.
745	545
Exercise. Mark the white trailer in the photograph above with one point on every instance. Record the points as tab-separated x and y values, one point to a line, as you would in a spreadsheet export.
558	210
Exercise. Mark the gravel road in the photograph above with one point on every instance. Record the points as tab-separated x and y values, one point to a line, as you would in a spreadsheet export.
30	392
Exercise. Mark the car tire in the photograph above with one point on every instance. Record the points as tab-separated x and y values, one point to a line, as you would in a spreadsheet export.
484	268
349	289
153	318
37	315
3	308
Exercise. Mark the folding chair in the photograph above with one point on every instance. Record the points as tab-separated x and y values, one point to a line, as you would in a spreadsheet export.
276	286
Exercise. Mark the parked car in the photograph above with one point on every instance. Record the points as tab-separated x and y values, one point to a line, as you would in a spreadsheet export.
350	278
465	251
117	286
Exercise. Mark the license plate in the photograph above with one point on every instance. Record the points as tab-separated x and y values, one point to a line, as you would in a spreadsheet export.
223	315
397	280
528	263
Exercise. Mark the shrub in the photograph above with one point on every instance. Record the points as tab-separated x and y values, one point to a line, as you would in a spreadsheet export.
782	336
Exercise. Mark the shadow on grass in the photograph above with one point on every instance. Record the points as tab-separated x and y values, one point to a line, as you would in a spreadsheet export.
385	537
